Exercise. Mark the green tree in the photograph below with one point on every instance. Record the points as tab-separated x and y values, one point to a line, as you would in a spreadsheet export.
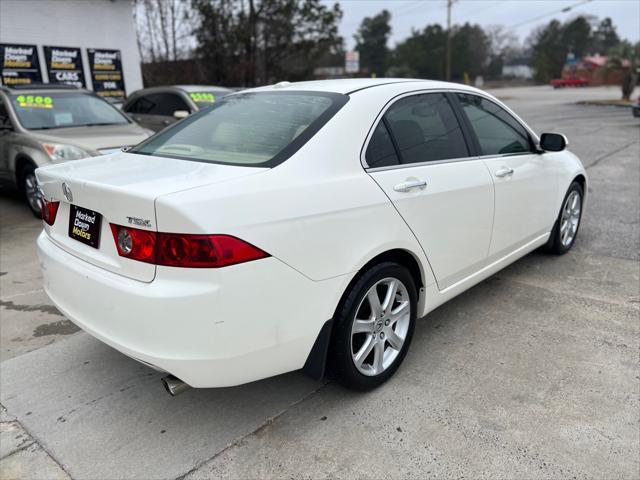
605	37
253	42
549	53
421	55
576	37
470	47
371	42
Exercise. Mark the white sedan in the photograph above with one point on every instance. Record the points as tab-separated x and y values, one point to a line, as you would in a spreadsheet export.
301	226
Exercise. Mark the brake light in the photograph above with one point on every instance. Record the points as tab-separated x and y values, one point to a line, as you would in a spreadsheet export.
49	211
183	250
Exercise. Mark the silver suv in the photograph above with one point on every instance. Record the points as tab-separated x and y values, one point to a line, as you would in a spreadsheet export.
48	124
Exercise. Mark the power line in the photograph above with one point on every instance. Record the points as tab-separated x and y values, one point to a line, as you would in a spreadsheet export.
562	10
485	8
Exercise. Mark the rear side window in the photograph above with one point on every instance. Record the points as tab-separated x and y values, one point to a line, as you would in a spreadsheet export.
425	129
380	152
164	104
498	132
168	103
141	105
251	129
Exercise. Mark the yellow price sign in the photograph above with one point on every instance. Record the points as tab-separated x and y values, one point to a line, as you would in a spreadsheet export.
203	97
34	101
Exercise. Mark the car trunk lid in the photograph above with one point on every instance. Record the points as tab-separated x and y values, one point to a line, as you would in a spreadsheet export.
119	189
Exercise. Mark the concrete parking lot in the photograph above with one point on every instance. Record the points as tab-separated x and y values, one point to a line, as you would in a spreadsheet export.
534	373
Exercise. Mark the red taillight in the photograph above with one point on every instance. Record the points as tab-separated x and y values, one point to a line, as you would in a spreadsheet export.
134	243
183	250
49	210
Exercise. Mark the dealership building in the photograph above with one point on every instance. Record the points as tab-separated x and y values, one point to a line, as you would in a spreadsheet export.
89	43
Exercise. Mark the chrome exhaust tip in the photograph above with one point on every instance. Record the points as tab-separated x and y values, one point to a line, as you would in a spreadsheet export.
174	385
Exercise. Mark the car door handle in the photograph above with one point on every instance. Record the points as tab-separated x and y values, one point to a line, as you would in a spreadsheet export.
410	185
504	172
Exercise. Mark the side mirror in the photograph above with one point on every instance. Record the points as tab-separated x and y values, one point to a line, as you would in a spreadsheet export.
553	142
180	114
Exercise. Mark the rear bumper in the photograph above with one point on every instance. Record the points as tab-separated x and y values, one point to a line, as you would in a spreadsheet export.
208	327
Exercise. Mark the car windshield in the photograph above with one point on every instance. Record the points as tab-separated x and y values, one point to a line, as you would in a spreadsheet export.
248	129
38	111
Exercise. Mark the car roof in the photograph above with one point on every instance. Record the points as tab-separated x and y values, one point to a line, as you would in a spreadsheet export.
37	88
202	88
184	88
352	85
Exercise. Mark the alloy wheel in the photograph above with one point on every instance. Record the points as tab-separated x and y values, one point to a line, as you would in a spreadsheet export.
31	191
570	218
380	326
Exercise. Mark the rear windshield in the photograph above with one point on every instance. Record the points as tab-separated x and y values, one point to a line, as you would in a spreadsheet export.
41	111
259	129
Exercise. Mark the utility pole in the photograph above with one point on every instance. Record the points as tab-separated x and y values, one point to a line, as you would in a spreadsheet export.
447	72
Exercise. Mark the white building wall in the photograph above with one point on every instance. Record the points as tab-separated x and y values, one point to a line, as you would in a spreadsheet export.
75	23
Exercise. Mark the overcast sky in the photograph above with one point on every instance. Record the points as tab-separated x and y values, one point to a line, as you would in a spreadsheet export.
406	14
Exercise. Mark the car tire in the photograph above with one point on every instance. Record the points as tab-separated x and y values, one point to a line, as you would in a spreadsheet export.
29	188
369	341
565	230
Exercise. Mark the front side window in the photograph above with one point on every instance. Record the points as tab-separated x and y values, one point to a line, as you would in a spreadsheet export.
425	129
250	129
39	111
498	132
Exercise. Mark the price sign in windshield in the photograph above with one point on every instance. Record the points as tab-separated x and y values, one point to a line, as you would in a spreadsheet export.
106	73
19	65
64	65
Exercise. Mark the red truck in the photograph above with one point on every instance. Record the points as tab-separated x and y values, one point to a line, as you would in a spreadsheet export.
569	82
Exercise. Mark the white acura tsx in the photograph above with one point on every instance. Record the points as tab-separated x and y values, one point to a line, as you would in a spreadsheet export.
301	226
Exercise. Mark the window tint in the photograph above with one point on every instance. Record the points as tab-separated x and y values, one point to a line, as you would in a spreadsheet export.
158	104
380	152
425	129
141	105
253	129
167	103
497	131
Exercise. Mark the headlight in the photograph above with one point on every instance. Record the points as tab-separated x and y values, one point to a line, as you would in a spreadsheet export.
60	152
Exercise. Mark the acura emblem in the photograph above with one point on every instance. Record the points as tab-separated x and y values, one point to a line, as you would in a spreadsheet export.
67	192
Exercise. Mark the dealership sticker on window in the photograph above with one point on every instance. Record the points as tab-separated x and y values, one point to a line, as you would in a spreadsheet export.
203	97
34	101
